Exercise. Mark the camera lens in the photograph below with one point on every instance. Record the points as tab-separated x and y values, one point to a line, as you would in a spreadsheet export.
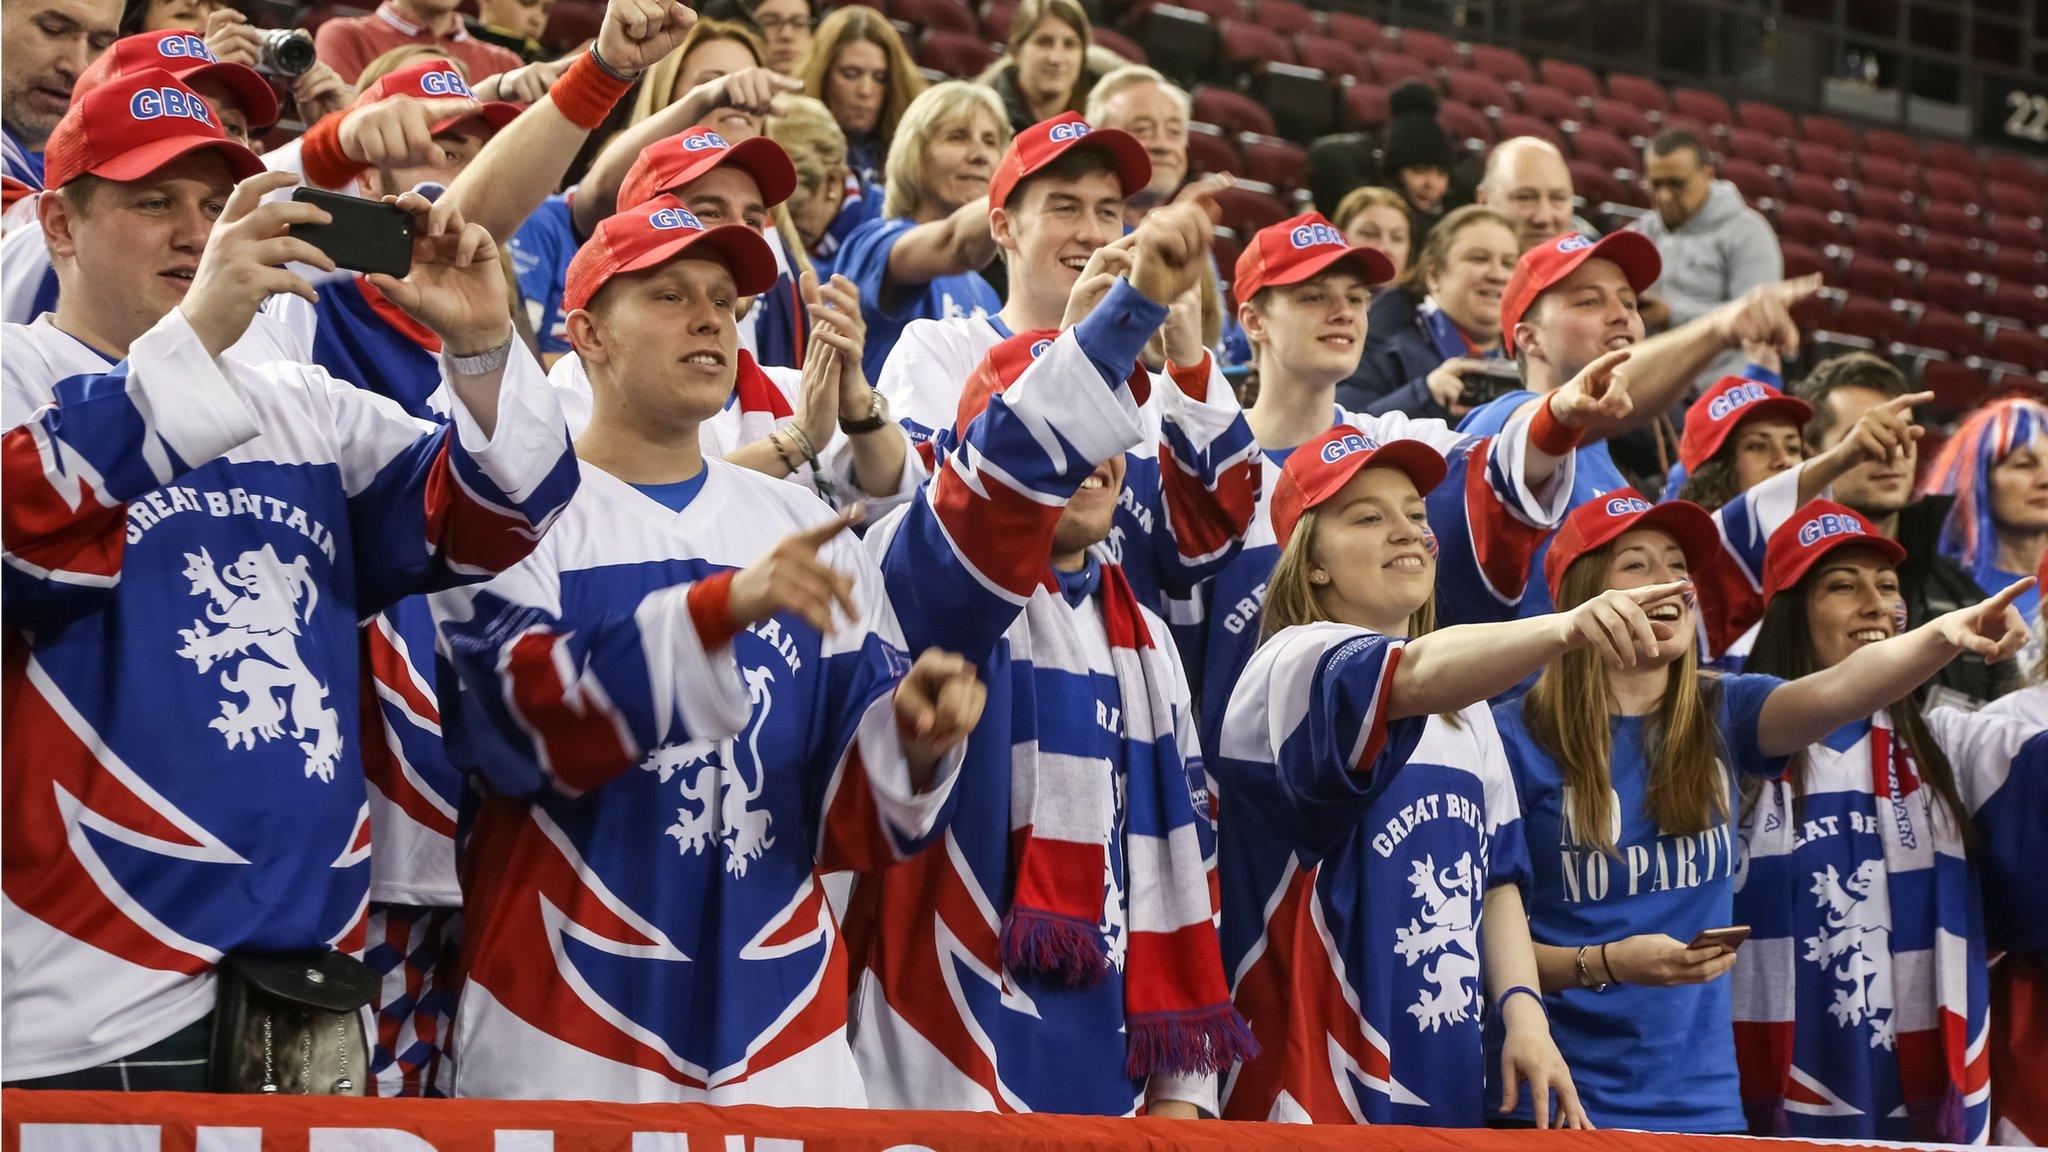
286	52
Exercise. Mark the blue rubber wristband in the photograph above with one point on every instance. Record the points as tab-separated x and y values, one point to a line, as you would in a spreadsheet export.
1522	990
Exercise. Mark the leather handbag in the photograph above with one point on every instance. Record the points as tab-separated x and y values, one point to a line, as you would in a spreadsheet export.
292	1023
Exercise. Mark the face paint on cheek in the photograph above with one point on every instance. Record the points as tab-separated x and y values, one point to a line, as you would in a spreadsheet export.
1429	543
1691	598
1898	617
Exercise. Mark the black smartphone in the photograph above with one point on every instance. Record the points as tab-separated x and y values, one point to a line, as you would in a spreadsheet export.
1486	384
365	235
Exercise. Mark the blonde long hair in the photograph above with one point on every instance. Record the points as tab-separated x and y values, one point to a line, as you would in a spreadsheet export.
1568	713
657	89
937	105
849	25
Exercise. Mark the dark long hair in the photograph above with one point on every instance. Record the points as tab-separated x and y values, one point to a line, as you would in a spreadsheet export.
1784	648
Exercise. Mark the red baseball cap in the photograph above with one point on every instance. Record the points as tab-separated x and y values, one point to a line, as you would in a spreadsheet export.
656	232
1301	249
1041	144
1728	405
1818	528
1005	364
1598	521
668	164
437	80
127	128
185	56
1543	266
1320	468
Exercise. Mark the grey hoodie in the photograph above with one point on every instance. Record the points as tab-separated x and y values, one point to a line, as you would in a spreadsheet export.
1726	249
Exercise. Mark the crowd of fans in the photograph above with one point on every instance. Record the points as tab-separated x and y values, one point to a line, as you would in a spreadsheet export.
813	587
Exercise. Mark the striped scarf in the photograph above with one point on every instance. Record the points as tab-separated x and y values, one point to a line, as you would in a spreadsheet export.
762	405
1930	1013
1177	1010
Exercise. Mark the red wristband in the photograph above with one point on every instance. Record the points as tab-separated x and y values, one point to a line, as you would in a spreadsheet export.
1549	435
321	158
710	603
586	95
1193	382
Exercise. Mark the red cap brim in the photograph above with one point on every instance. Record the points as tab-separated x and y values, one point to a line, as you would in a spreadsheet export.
1687	523
1634	253
1893	552
257	99
139	162
1126	154
1422	464
1372	262
492	114
745	254
1790	408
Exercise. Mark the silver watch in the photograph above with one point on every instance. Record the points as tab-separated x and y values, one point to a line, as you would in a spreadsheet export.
878	415
483	363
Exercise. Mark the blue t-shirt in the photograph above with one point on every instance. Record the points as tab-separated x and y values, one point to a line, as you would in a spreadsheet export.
1659	1059
864	259
1595	473
541	251
677	496
1993	580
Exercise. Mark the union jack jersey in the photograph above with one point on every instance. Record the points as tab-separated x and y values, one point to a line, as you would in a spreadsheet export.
943	1021
1189	485
210	532
643	918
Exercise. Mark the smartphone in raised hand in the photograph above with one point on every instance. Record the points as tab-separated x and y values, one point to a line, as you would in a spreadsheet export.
365	235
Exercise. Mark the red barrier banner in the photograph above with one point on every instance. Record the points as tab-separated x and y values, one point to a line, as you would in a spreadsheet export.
176	1122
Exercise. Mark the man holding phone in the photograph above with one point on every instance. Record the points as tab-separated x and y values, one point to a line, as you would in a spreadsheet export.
192	537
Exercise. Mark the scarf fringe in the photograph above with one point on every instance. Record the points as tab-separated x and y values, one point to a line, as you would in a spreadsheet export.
1768	1117
1187	1043
1939	1120
1048	944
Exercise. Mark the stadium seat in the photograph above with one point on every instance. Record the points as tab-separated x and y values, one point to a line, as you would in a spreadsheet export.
1954	252
1229	246
1823	160
1817	311
1392	70
1302	100
1947	332
2017	199
1830	131
1888	205
1957	387
2012	231
961	54
1271	160
1183	41
929	14
1704	105
1891	145
1464	122
1752	145
1954	219
1882	240
1548	103
1287	17
1249	206
1765	118
1246	45
1807	225
1872	320
1816	192
1755	181
1594	183
1234	112
1603	148
1365	107
1874	277
1513	124
1504	64
1945	156
1952	186
2020	265
1211	149
1951	289
1886	172
1361	32
1803	260
1432	48
1331	57
2021	302
1216	10
2009	168
1640	91
995	20
1621	116
1565	76
1120	44
1471	86
2018	346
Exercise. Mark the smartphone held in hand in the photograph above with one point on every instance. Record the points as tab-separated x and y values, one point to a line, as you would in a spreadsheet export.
364	236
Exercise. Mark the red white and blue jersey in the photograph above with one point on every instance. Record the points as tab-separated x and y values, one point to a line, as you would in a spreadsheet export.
1356	854
190	544
21	171
1189	485
1881	954
643	918
356	334
943	1022
1488	520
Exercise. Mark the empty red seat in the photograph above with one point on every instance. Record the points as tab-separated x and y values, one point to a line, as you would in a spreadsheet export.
1234	112
1464	122
1365	106
1549	103
1887	172
1954	187
961	54
995	20
1817	311
1618	115
568	24
1477	89
2022	302
1957	387
1246	44
1705	105
1603	148
1215	10
2013	232
1513	124
1506	64
1954	252
1872	320
1576	79
1874	277
1755	181
1889	205
1640	91
1210	149
2020	265
1946	156
1750	144
1392	70
2009	168
1120	44
1432	48
2019	346
1804	260
1950	289
1954	219
1882	240
1229	246
1816	192
1287	17
2017	199
1891	145
1807	225
1361	32
1281	163
1948	333
1594	184
1332	57
947	14
1765	118
1830	131
1249	206
1823	160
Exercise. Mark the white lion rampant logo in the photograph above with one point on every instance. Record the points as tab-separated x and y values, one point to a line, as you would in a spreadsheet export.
722	813
1446	931
256	604
1854	947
